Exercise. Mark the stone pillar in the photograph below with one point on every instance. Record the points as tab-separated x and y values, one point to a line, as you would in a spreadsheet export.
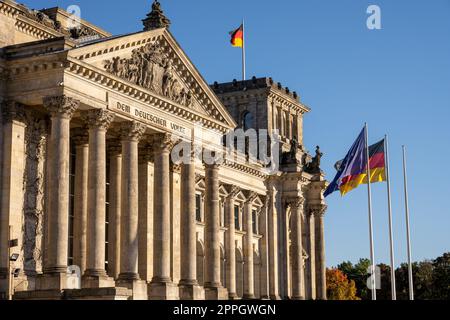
61	109
321	292
249	281
231	244
213	286
98	121
189	288
81	139
115	199
131	133
310	279
11	193
298	283
274	201
162	287
264	227
146	181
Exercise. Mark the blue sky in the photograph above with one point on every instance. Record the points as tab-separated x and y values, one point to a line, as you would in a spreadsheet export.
397	79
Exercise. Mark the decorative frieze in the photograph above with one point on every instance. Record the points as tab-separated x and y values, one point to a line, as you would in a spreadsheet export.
33	189
151	68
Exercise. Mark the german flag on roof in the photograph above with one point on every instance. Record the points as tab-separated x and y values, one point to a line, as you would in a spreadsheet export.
237	37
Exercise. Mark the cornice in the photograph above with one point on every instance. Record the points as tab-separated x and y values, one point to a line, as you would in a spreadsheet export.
112	82
275	96
204	95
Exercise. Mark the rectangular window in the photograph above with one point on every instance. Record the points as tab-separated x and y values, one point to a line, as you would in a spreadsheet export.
254	222
198	207
237	223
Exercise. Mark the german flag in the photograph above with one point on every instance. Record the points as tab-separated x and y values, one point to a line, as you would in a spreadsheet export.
237	37
352	171
377	170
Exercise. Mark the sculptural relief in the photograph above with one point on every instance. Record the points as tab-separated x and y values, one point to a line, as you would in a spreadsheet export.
149	67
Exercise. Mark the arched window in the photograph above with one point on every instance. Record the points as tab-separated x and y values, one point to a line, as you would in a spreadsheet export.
248	121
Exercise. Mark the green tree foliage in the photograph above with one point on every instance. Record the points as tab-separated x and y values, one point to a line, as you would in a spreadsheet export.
357	273
431	279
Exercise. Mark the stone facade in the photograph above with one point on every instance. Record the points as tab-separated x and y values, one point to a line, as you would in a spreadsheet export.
90	191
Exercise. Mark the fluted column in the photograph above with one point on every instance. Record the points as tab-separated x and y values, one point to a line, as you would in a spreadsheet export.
273	243
81	138
131	133
98	121
188	225
61	109
298	283
212	221
231	244
161	286
249	288
115	199
161	232
311	263
321	292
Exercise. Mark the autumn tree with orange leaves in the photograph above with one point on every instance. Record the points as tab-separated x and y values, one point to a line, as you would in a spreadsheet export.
339	287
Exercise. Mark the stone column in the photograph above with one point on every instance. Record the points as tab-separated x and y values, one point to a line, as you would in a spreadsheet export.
98	121
310	279
162	287
273	247
249	281
115	199
189	289
81	139
265	294
298	283
231	244
213	286
146	173
61	109
321	292
11	193
131	133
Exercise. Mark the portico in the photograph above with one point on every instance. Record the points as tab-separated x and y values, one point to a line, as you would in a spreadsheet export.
103	118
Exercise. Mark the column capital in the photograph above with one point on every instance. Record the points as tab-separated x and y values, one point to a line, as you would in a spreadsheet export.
234	190
251	197
61	106
13	111
146	154
295	202
80	136
132	131
98	118
114	147
317	210
162	142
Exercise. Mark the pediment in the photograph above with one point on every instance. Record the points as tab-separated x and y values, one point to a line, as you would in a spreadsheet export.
154	61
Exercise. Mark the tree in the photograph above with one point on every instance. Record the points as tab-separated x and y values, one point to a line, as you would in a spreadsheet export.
339	287
358	273
441	277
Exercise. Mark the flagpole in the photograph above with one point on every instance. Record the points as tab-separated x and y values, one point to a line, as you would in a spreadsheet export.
243	50
391	234
369	193
408	235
